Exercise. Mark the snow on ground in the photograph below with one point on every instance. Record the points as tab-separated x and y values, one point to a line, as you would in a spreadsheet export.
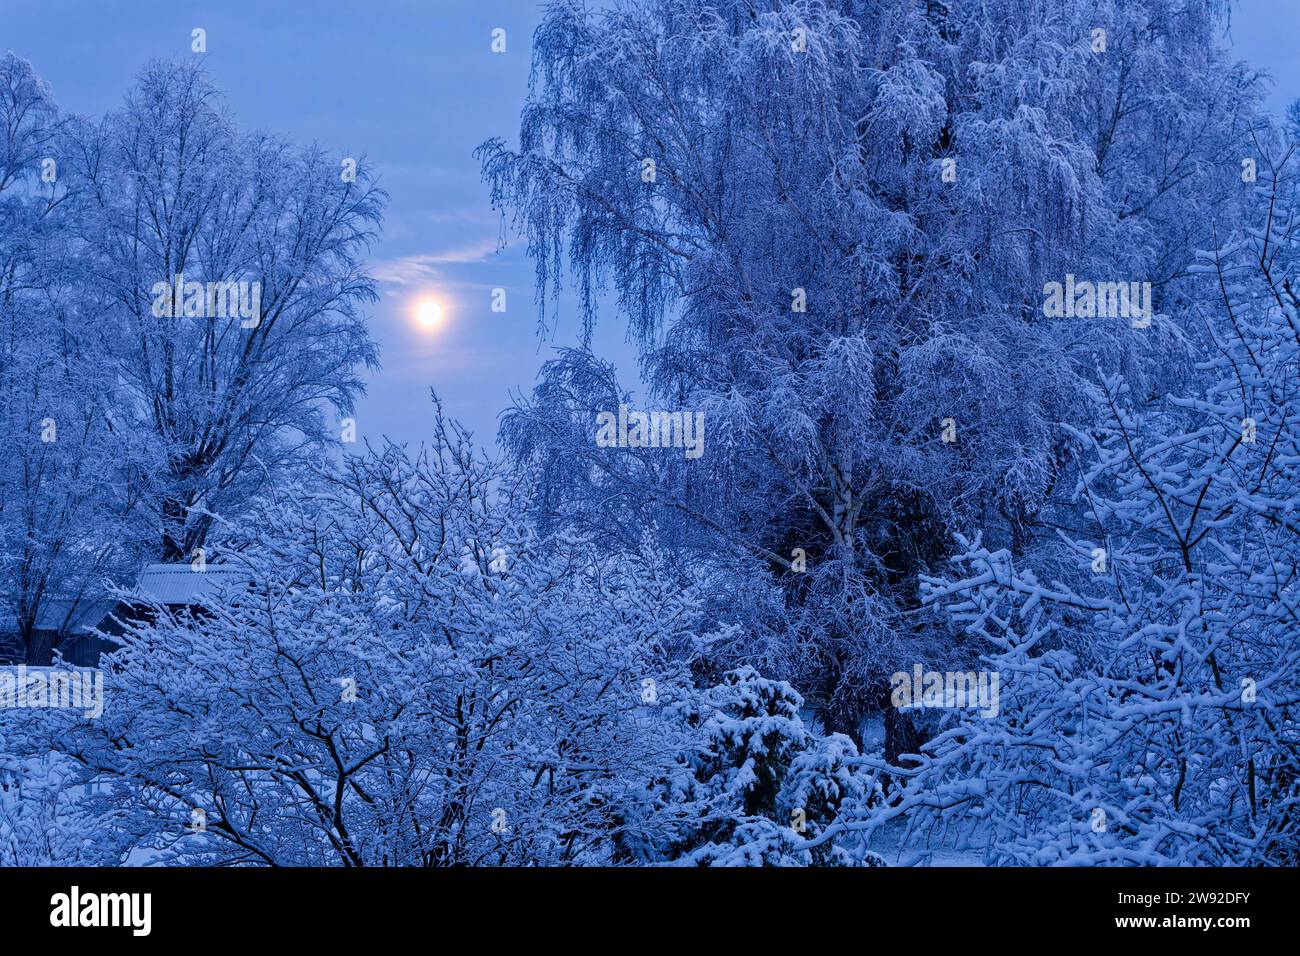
890	841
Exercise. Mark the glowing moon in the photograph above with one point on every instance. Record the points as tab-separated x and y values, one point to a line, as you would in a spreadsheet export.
429	313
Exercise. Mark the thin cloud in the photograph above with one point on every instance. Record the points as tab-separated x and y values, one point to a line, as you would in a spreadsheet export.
427	266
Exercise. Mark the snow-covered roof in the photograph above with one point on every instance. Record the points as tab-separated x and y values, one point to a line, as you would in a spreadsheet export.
57	614
181	584
171	584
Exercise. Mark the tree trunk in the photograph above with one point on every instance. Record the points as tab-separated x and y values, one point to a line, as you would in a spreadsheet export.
39	647
837	720
901	736
173	534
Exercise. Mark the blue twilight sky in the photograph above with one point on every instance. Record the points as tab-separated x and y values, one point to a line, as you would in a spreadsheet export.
415	86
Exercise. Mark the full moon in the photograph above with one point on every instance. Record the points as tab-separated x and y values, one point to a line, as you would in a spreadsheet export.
429	313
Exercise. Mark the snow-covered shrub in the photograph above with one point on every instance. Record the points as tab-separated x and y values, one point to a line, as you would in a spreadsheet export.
410	675
410	678
760	782
47	818
1169	736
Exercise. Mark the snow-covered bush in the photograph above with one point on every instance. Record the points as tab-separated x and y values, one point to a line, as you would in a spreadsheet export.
411	676
1169	735
760	781
46	818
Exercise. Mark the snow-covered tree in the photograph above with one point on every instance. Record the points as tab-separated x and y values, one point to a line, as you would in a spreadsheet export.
829	226
409	678
128	422
67	501
1148	716
230	386
403	672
